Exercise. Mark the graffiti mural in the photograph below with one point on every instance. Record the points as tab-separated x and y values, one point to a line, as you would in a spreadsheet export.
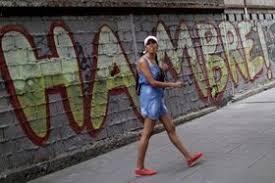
270	41
223	52
30	79
113	76
215	54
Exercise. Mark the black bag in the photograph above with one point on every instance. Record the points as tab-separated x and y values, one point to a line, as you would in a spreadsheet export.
137	85
161	76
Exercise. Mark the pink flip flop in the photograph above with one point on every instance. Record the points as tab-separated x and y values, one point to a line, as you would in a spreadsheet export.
144	172
195	159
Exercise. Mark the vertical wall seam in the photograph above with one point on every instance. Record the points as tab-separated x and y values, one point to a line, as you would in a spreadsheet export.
227	51
133	30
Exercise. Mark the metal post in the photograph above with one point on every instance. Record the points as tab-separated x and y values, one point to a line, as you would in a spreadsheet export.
245	10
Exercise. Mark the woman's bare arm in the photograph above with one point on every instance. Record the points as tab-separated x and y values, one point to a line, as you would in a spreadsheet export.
143	67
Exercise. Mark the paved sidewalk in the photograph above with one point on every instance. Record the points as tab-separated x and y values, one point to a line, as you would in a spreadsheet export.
238	141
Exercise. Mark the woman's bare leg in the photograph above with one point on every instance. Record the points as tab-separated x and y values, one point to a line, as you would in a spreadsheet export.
144	141
166	120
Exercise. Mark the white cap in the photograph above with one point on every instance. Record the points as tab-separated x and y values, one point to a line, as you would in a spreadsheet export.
150	38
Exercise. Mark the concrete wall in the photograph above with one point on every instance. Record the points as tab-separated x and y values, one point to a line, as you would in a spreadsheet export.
68	82
234	2
261	2
267	4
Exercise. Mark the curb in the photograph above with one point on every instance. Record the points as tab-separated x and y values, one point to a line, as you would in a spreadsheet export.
249	93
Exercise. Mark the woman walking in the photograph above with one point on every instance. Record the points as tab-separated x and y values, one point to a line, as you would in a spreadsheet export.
153	108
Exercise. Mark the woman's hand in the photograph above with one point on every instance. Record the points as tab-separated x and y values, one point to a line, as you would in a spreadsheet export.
178	84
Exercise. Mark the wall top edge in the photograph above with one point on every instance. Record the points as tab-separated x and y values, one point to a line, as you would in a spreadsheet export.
115	3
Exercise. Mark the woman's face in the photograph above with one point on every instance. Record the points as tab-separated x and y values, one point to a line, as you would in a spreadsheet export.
151	46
